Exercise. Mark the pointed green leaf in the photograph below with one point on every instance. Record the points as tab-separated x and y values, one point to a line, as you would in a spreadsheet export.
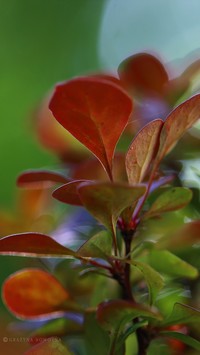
95	111
173	199
153	279
182	314
142	150
98	246
170	264
186	339
117	313
106	201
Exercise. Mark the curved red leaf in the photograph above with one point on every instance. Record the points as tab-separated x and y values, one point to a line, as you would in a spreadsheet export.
143	73
95	111
34	245
68	193
40	178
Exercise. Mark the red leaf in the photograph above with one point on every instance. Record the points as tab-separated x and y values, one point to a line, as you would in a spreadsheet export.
177	123
142	151
32	293
68	193
106	201
144	74
34	245
40	178
95	111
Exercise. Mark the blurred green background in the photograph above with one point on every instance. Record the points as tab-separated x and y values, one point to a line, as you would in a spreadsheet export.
41	43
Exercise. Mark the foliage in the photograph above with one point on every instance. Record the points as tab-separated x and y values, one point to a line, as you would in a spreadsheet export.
123	281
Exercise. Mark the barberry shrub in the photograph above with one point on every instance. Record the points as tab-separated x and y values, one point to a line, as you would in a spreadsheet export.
128	284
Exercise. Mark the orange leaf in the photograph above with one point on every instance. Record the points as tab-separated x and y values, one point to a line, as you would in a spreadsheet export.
32	293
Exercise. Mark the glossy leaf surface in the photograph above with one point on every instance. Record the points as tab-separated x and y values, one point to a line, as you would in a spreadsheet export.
114	314
106	201
173	199
153	279
33	245
170	264
32	293
41	178
95	111
98	246
142	150
143	73
51	346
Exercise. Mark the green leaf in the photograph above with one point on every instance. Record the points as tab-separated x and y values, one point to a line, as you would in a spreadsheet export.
115	314
142	150
106	201
97	340
153	279
183	338
182	314
171	200
170	264
98	246
56	327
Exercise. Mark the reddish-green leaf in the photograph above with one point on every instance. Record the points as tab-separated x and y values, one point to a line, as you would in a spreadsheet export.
68	193
32	293
183	237
144	74
186	339
49	346
170	264
171	200
98	246
33	245
142	150
177	123
106	201
114	314
41	178
95	111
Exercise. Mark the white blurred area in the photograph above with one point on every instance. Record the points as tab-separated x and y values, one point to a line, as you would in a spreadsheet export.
170	28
